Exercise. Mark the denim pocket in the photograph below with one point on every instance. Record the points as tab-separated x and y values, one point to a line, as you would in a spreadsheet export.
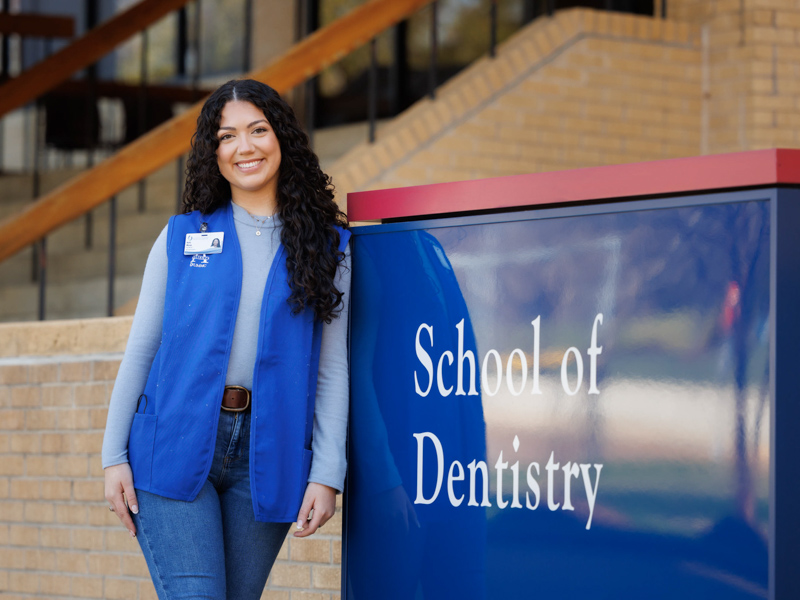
140	449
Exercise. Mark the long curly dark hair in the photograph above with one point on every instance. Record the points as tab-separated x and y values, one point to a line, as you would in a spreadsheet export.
305	194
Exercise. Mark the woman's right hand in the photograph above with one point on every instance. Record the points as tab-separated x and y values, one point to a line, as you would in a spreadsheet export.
119	481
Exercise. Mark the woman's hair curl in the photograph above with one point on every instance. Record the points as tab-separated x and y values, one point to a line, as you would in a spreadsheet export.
305	194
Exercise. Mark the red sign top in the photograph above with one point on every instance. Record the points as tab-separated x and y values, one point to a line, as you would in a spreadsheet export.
758	168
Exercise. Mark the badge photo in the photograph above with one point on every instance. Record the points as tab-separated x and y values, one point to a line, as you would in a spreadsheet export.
203	243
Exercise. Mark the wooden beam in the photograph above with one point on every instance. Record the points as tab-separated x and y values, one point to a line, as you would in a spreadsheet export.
168	141
83	52
37	25
126	91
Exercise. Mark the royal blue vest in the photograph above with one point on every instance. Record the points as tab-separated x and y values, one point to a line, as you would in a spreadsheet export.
173	434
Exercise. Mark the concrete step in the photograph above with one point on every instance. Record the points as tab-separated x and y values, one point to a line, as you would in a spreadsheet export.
72	300
78	263
131	229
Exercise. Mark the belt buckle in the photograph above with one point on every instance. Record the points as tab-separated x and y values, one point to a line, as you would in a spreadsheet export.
244	389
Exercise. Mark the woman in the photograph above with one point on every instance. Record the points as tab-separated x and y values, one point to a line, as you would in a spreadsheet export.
214	474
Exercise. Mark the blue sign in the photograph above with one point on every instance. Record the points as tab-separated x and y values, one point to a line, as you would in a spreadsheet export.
562	403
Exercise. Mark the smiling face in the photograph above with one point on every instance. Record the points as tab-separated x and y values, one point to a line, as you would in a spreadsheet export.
249	156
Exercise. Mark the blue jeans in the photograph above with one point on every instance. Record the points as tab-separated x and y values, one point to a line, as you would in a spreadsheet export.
211	547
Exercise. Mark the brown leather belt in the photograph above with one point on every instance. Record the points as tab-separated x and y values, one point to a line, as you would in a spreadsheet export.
235	398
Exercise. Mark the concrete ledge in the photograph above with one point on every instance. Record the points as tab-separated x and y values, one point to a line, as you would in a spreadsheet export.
75	337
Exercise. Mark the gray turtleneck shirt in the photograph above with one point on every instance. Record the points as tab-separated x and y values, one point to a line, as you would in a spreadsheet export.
258	251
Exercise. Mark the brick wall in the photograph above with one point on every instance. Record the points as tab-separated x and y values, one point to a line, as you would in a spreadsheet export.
580	89
588	88
57	538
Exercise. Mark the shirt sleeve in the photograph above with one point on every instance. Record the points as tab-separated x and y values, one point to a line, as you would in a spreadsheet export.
143	343
329	463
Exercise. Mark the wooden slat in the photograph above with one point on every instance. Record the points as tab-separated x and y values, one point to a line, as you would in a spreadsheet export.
83	52
171	139
36	25
125	91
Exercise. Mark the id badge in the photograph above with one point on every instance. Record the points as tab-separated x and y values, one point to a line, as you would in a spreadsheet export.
203	243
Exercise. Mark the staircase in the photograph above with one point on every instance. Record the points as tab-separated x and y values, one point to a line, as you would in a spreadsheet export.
77	277
580	88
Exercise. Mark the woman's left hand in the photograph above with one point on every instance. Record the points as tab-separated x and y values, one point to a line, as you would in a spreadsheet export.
323	500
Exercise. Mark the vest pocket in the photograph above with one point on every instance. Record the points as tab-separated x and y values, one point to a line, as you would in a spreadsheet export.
140	449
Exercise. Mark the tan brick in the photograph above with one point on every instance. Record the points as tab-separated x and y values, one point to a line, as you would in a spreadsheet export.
58	395
87	587
39	512
91	394
104	563
72	418
119	540
56	585
72	562
300	595
75	371
23	535
43	373
40	560
310	550
72	466
499	116
135	566
87	539
411	174
292	576
96	465
334	525
470	162
275	595
40	418
120	589
72	514
40	466
13	374
55	443
5	487
12	558
99	516
55	537
431	158
25	582
25	489
448	175
86	442
105	370
5	442
327	578
88	490
11	464
29	443
26	395
12	419
56	489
